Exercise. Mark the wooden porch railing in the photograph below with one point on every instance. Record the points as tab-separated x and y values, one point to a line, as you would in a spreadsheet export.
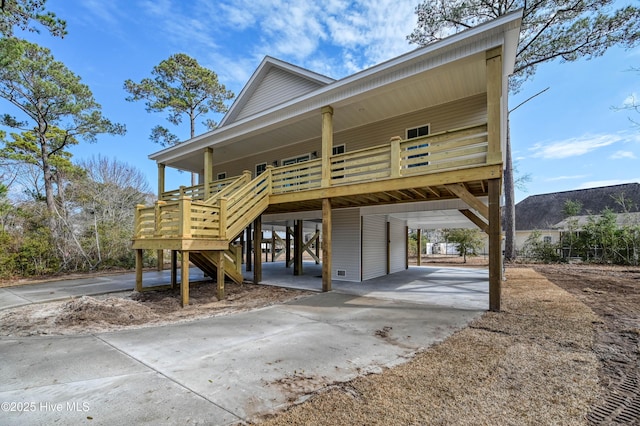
197	192
234	202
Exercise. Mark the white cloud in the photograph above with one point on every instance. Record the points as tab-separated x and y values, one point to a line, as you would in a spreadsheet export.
334	37
558	178
623	155
630	101
350	35
574	147
105	11
608	182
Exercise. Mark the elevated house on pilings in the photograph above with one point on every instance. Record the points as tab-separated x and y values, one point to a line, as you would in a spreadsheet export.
416	138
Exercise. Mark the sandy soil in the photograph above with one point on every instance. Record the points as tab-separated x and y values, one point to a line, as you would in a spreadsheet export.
134	310
613	293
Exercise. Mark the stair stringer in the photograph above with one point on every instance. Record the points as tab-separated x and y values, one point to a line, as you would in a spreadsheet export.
206	261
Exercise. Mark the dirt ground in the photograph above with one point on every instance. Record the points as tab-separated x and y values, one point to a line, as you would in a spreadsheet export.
134	310
564	350
613	293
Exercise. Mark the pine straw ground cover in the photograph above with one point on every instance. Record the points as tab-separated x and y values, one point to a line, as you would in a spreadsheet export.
530	364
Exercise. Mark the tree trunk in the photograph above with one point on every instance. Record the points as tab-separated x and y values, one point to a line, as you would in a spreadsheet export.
509	214
192	122
48	186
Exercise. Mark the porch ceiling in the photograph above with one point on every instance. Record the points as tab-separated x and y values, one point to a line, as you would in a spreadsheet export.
449	82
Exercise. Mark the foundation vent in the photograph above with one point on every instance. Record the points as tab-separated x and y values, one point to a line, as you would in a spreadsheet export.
341	273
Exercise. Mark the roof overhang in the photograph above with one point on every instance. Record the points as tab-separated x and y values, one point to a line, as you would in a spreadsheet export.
442	72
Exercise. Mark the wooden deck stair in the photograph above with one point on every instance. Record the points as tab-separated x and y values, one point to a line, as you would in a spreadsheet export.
208	263
204	229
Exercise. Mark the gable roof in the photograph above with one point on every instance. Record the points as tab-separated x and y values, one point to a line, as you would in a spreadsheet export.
272	83
546	210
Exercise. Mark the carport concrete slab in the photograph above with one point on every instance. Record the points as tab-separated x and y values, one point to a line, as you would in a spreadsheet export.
41	361
226	369
462	288
136	399
256	362
69	379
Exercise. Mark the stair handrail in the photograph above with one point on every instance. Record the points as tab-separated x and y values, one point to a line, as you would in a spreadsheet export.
261	183
243	179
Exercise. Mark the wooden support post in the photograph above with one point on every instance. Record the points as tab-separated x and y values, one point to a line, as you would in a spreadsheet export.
184	279
137	221
406	244
208	172
257	243
237	252
326	244
494	105
158	232
495	246
174	268
395	156
317	245
184	227
273	245
161	174
249	248
287	249
327	145
220	273
160	255
139	270
222	203
388	231
297	247
419	246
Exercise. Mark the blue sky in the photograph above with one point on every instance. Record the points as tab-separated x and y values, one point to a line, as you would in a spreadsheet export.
567	138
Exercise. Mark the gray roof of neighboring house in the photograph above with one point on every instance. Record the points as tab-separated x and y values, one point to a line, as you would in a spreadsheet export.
622	219
546	210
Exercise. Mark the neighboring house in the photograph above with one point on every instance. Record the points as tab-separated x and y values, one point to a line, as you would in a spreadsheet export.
417	140
545	212
579	222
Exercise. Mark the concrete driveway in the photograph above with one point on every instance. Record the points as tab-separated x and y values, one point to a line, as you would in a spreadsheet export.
222	370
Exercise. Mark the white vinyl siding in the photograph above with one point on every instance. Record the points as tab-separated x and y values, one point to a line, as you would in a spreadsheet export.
452	115
345	242
277	87
374	247
398	245
449	116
